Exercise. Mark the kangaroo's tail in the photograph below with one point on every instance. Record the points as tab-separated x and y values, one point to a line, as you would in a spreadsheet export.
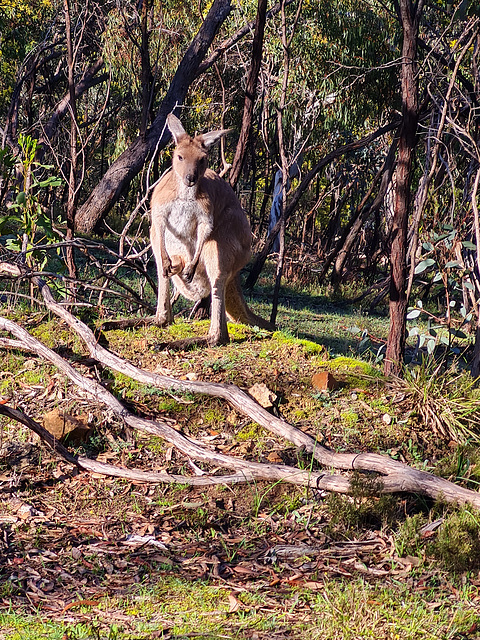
237	308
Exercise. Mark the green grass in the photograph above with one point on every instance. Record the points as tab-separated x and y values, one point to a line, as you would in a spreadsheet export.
326	609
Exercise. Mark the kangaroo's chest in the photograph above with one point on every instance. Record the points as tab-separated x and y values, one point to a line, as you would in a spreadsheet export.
185	217
183	222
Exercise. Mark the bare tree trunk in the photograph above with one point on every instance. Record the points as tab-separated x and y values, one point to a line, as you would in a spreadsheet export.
250	90
410	18
286	42
72	181
147	78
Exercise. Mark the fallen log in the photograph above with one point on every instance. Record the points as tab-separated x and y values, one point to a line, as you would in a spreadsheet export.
394	476
250	470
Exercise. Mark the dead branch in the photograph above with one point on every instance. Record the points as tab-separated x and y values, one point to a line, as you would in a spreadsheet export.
396	475
111	470
251	470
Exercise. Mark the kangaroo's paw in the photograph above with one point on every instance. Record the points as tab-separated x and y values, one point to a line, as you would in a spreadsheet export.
189	272
216	340
167	268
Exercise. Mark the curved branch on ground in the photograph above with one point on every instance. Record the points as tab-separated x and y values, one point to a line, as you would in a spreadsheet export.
395	476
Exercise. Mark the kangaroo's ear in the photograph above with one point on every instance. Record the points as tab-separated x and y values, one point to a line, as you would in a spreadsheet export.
208	139
176	127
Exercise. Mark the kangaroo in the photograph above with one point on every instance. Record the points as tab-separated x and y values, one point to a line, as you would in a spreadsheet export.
200	236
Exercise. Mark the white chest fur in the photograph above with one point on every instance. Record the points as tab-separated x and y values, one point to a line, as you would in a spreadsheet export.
183	219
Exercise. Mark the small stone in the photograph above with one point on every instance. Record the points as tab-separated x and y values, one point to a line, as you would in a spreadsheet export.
274	458
324	381
387	418
61	424
76	553
262	395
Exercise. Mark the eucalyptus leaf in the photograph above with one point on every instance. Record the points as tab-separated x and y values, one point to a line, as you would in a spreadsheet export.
425	264
414	313
21	198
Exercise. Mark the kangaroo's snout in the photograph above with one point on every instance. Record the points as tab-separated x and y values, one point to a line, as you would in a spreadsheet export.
191	179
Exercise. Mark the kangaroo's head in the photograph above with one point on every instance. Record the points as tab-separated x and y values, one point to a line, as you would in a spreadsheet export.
190	157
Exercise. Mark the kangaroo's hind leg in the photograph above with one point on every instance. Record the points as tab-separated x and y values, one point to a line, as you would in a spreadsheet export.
218	277
164	314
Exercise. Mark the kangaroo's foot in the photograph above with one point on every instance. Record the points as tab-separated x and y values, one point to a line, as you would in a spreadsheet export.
163	319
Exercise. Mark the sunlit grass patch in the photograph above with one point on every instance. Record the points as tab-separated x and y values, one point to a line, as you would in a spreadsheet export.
342	609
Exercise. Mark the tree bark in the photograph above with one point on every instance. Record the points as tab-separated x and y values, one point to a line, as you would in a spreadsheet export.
250	90
129	164
410	18
72	181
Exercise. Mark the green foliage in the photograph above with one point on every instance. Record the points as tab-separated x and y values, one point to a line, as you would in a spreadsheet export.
351	514
26	216
407	538
446	400
21	25
309	347
447	281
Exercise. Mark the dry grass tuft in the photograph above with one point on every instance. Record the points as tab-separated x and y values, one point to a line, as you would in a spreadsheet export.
446	400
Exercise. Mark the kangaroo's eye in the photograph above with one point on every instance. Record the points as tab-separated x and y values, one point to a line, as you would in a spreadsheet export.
180	158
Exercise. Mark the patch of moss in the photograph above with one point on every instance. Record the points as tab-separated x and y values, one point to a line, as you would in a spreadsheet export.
309	347
126	386
34	376
251	431
188	329
169	405
363	509
352	364
349	418
457	546
238	331
51	333
213	416
5	384
353	372
407	539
